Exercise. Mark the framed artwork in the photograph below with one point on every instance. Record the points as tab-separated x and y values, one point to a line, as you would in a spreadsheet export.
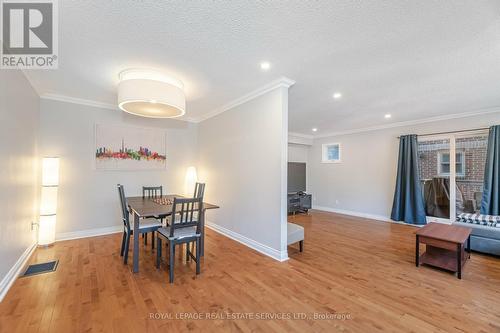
331	153
129	148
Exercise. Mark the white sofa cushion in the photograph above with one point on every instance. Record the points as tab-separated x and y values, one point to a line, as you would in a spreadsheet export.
295	233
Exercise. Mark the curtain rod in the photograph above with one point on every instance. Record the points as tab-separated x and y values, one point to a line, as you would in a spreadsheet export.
450	132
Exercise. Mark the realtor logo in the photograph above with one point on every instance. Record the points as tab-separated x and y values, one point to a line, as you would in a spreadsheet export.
29	34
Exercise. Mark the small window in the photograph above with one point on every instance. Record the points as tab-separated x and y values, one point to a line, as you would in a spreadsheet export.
444	163
331	153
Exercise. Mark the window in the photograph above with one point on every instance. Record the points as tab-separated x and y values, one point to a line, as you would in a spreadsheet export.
444	163
331	153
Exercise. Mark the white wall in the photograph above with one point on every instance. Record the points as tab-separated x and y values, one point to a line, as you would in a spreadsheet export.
364	182
88	198
19	115
297	153
242	158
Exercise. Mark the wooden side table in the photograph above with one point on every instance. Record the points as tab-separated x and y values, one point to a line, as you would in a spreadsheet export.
445	246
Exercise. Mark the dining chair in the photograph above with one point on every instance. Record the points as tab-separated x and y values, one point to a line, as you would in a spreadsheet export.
184	229
199	190
152	192
128	228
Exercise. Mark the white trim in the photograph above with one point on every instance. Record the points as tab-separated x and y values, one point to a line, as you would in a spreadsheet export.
62	236
374	217
300	139
15	270
259	247
357	214
281	82
479	112
284	174
300	135
81	101
96	104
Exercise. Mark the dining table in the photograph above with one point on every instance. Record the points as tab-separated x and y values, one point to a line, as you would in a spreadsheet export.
143	208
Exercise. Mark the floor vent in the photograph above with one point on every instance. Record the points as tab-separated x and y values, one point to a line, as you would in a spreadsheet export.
45	267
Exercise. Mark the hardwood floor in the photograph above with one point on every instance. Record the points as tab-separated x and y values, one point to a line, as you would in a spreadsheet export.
359	268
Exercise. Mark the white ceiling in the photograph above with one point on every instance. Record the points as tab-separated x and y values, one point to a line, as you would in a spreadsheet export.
413	59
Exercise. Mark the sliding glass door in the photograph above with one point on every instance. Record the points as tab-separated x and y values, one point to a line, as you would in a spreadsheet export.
452	171
434	162
471	148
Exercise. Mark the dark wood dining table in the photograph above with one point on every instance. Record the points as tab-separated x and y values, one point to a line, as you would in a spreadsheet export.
143	208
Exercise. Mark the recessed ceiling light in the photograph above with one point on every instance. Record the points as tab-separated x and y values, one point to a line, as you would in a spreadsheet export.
387	116
265	66
314	129
337	95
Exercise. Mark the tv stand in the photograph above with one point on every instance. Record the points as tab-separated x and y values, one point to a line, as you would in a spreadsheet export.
299	202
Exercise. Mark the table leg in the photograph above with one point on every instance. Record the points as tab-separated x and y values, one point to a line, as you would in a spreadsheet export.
468	246
459	261
136	243
202	240
417	251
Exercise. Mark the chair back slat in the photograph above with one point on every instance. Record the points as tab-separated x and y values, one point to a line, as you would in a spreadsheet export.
152	191
183	214
199	190
123	204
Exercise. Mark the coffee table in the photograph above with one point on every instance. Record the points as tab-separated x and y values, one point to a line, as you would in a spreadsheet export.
445	246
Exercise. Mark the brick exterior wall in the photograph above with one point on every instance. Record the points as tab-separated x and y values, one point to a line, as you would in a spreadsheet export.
474	150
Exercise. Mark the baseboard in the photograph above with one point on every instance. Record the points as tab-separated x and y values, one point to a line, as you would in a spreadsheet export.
259	247
88	233
354	213
14	272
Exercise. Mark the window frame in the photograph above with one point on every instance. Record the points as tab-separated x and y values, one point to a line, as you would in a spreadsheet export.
324	152
440	154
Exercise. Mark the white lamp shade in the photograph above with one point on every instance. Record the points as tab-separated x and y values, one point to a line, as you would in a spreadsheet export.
190	181
48	201
149	94
47	230
50	171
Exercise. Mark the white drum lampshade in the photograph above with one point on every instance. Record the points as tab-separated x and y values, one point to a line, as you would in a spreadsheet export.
190	181
151	94
48	201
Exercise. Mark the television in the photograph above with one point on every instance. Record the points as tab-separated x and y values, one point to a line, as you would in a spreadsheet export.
296	177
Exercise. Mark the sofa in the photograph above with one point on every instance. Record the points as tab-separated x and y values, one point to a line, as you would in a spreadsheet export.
485	236
295	234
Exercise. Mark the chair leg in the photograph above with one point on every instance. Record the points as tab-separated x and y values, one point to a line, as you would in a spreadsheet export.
198	255
301	245
187	251
127	244
152	240
123	245
145	236
171	260
158	252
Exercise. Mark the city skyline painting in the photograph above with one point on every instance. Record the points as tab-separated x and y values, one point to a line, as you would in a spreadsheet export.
129	148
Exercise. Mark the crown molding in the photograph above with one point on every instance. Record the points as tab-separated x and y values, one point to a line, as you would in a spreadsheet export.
479	112
81	101
300	135
282	82
101	105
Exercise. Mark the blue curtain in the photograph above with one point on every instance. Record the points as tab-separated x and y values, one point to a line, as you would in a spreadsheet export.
408	204
490	204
